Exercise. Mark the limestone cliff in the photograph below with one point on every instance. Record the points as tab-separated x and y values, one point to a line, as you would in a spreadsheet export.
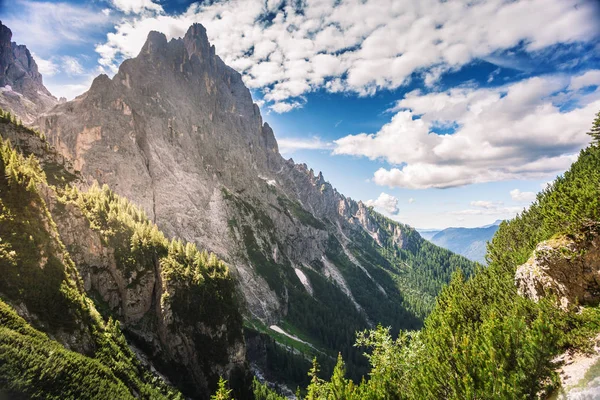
21	87
567	267
177	306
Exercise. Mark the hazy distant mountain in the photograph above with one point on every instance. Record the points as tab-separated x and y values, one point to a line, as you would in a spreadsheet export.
469	242
427	234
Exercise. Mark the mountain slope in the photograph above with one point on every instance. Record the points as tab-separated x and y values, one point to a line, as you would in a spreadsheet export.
75	261
21	88
504	332
468	242
176	132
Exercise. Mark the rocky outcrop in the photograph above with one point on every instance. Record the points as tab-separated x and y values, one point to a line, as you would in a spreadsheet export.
564	266
21	87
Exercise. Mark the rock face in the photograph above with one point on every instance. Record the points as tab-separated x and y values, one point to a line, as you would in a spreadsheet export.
566	267
191	352
176	132
21	87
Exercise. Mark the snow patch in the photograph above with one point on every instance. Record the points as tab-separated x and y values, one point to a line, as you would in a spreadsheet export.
270	182
297	339
304	279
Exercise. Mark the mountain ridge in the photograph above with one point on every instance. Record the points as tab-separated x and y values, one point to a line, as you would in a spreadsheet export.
176	132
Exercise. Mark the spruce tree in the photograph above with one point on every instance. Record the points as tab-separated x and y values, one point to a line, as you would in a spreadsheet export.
595	131
222	392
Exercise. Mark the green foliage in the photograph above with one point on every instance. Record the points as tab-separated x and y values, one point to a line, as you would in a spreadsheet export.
37	272
595	131
483	340
222	392
262	392
34	366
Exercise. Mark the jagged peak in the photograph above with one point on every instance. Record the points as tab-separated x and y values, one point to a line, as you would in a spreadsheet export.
100	81
5	31
155	41
196	42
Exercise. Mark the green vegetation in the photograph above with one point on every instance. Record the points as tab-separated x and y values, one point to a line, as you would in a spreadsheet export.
37	273
299	212
197	285
483	340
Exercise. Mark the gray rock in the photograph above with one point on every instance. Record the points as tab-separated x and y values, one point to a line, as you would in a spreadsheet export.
566	267
176	131
21	87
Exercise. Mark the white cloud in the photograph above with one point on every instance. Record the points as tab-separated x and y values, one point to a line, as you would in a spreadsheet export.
589	78
45	67
346	46
486	204
385	202
411	200
505	212
137	6
516	131
283	107
72	66
289	145
525	197
46	26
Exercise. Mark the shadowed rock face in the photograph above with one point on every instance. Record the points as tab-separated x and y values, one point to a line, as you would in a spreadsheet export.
21	86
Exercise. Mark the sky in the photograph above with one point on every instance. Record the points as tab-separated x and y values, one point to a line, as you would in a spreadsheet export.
436	113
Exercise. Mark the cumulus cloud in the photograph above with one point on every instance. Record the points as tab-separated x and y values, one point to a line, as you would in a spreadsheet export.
288	48
385	202
289	145
525	197
515	131
137	6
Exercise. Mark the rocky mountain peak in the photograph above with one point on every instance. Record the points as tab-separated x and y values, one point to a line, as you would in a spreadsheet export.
21	86
196	42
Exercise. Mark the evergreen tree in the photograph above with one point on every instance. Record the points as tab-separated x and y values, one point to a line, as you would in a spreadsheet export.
595	131
222	392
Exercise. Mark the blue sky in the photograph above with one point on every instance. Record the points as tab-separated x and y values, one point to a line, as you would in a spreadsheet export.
437	113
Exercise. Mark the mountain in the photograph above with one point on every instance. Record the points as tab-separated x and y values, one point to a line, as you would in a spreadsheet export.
176	132
468	242
524	327
70	256
170	151
427	234
21	87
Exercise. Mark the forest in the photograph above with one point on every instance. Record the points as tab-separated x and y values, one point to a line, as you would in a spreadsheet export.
483	340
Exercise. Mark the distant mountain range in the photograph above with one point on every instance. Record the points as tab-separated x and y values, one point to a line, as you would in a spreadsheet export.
469	242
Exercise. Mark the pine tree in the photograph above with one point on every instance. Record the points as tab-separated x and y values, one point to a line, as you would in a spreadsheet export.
595	131
222	392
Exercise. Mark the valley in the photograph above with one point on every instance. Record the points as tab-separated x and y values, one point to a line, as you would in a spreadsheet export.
155	242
